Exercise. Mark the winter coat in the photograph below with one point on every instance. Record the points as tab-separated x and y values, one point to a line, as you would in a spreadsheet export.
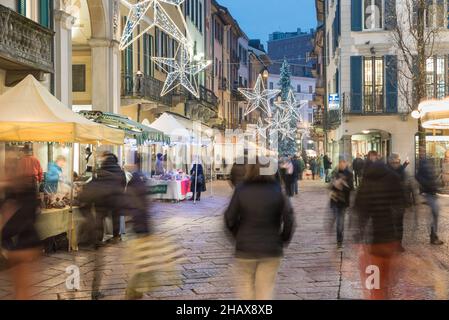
341	198
379	199
52	178
327	163
261	219
237	174
427	178
198	178
296	168
358	164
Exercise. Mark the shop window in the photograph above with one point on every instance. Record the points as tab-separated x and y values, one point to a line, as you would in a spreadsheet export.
436	77
79	77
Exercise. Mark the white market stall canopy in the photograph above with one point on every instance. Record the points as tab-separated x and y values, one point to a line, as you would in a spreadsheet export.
29	112
181	129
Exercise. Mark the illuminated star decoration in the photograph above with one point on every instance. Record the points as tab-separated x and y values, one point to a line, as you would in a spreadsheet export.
281	124
180	70
259	97
291	106
137	12
261	128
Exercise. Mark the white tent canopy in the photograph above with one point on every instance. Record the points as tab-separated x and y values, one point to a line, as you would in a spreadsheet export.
29	112
181	129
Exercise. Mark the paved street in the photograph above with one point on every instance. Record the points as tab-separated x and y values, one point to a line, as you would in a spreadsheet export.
312	269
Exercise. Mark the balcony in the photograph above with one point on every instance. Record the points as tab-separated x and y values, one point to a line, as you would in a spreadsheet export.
24	44
144	87
207	97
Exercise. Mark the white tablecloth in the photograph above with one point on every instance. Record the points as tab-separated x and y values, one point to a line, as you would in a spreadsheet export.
174	190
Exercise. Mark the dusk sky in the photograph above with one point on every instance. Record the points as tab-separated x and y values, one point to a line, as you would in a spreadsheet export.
259	18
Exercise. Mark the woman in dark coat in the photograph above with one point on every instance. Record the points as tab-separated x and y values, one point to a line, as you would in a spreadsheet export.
198	180
261	220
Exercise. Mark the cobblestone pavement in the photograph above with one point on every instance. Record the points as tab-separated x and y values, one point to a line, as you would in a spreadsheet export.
313	268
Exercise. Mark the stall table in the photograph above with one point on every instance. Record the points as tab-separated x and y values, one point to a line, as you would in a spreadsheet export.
175	190
53	222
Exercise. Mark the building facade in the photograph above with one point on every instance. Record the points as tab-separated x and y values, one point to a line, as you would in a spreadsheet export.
362	68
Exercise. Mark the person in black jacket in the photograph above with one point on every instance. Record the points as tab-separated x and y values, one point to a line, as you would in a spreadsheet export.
428	181
198	180
327	163
262	222
342	183
379	198
357	167
296	174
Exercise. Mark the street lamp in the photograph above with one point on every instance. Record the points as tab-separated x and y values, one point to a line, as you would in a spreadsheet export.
265	74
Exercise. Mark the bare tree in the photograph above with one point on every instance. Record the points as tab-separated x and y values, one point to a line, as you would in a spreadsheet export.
415	35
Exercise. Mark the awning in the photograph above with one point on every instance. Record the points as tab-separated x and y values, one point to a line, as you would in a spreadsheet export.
181	129
29	112
132	129
435	114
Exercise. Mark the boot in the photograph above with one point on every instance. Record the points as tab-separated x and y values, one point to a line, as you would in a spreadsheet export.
435	240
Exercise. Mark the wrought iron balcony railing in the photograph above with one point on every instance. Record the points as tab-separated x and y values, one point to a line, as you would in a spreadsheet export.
25	43
144	87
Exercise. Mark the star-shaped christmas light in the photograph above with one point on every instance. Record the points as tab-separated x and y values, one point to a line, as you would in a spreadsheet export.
181	70
137	12
291	106
261	128
259	97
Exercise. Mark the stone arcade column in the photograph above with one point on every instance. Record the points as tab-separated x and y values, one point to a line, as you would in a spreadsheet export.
345	148
105	75
63	56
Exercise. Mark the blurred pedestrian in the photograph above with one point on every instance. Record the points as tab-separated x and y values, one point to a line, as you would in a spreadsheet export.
289	178
327	163
320	162
160	169
379	198
302	167
357	167
296	173
261	220
19	239
103	196
428	181
342	183
238	172
395	164
314	168
198	180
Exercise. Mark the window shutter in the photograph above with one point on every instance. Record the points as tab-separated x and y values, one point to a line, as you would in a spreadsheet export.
356	15
356	84
22	7
391	85
391	18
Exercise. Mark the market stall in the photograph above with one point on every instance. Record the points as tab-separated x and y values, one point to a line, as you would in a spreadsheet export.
189	141
31	115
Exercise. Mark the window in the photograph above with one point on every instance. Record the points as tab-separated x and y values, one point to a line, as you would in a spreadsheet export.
298	88
187	7
373	85
310	117
271	86
196	13
201	18
436	78
22	7
216	67
310	89
79	77
435	14
373	14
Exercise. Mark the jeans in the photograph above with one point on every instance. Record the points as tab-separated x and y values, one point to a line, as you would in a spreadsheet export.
339	218
432	201
296	186
256	278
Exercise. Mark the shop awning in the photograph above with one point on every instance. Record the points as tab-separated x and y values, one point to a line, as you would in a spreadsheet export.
132	129
181	129
29	112
435	114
